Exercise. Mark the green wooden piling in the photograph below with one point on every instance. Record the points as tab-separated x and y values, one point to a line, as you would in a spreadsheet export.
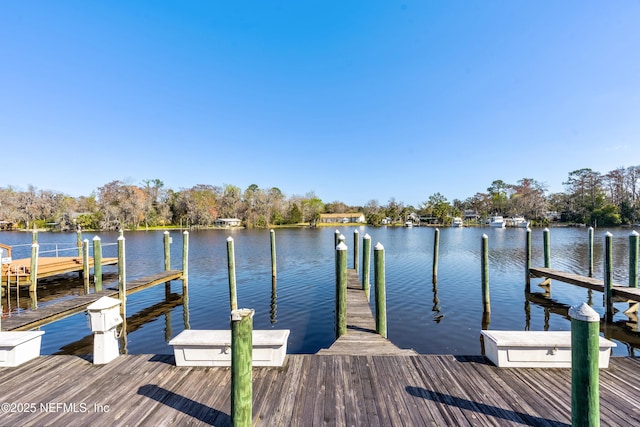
633	259
97	263
585	382
590	249
185	255
85	265
35	250
341	289
379	285
366	265
547	248
274	272
167	251
241	367
608	276
122	277
436	250
527	260
231	266
486	301
336	235
79	241
34	236
356	250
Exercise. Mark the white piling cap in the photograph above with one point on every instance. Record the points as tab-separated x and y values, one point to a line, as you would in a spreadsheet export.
634	233
229	239
584	312
529	229
341	247
366	236
356	232
378	247
166	232
185	232
546	229
238	314
96	237
484	236
608	234
120	237
341	237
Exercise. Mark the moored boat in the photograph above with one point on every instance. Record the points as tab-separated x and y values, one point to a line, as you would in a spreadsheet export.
457	222
496	221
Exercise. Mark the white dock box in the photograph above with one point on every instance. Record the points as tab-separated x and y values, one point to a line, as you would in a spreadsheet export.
536	349
19	347
213	347
104	314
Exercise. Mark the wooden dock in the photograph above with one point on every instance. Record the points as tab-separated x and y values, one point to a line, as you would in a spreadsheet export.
309	390
361	337
31	319
620	292
47	267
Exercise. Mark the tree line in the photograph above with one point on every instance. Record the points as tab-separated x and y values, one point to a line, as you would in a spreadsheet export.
590	198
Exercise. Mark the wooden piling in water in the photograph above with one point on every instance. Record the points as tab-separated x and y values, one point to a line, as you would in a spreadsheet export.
356	250
585	356
436	250
336	236
85	265
590	250
35	250
167	251
633	259
97	263
231	266
527	260
608	276
486	301
79	241
241	367
122	277
341	289
547	248
380	291
185	256
366	265
272	235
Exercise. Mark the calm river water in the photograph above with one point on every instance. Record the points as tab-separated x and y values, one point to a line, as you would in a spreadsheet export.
444	318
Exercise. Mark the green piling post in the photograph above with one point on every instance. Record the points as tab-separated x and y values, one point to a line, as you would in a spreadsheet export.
167	251
547	249
34	236
122	277
590	249
274	266
356	250
79	241
341	289
486	301
185	255
35	250
241	367
231	266
436	250
527	260
585	382
97	263
85	265
336	236
366	265
608	276
379	284
633	259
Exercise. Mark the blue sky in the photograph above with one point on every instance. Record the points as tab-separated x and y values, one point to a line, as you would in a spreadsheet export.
354	99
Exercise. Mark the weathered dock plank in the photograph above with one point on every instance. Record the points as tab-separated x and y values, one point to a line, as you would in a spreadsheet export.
31	319
141	390
47	267
361	337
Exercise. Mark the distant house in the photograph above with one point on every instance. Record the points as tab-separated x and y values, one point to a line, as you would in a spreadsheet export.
6	225
344	218
471	215
227	222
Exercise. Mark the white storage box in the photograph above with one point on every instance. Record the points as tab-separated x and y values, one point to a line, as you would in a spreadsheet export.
213	347
536	349
19	347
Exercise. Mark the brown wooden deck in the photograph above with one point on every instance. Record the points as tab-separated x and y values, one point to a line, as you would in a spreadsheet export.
622	292
31	319
309	390
361	337
47	267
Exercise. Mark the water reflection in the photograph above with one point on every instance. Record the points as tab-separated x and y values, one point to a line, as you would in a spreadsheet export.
274	307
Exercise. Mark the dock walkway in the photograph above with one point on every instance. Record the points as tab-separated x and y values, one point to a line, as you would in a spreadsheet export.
309	390
622	292
31	319
361	337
